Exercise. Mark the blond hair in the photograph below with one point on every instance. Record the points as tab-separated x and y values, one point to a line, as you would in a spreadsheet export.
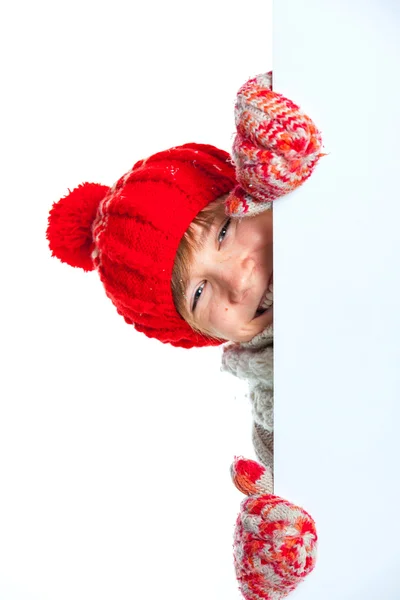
190	243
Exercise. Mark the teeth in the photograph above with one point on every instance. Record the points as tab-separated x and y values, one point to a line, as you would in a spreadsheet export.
268	300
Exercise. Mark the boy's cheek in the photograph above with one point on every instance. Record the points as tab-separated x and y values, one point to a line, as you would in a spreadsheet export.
225	327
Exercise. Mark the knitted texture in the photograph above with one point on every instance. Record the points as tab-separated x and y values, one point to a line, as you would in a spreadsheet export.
263	444
275	541
275	149
130	233
255	365
69	230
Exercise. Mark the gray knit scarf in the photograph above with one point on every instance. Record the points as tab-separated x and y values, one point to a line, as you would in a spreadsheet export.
253	361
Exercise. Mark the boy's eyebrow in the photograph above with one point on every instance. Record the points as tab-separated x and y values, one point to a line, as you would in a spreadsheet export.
206	231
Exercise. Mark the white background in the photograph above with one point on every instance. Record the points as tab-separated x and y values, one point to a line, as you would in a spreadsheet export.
115	449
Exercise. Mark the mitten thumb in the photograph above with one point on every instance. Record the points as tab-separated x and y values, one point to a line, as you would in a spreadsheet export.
251	477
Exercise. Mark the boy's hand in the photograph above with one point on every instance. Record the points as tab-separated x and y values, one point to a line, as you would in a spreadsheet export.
275	149
275	541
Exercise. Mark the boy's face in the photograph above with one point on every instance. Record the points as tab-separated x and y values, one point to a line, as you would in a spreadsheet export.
229	277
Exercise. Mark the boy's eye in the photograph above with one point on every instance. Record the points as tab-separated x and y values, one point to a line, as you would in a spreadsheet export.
221	237
223	231
197	295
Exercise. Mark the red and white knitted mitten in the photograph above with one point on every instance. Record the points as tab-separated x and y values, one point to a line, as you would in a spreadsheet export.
275	542
275	149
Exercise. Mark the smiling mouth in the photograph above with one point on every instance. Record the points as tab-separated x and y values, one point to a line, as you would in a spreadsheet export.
267	301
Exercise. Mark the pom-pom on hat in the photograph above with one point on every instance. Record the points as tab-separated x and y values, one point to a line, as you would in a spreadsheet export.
275	541
130	233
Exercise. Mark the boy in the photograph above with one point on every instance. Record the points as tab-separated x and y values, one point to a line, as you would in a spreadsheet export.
183	241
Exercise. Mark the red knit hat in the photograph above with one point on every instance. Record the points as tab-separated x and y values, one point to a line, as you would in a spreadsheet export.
130	233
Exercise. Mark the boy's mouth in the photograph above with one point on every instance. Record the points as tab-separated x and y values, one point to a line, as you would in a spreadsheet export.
267	301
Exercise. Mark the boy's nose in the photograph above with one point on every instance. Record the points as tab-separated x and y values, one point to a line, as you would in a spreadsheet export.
237	296
237	279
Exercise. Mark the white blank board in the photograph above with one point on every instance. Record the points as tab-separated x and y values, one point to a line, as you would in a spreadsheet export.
337	295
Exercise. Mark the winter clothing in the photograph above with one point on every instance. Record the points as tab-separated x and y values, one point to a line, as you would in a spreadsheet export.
275	149
275	541
253	361
130	233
